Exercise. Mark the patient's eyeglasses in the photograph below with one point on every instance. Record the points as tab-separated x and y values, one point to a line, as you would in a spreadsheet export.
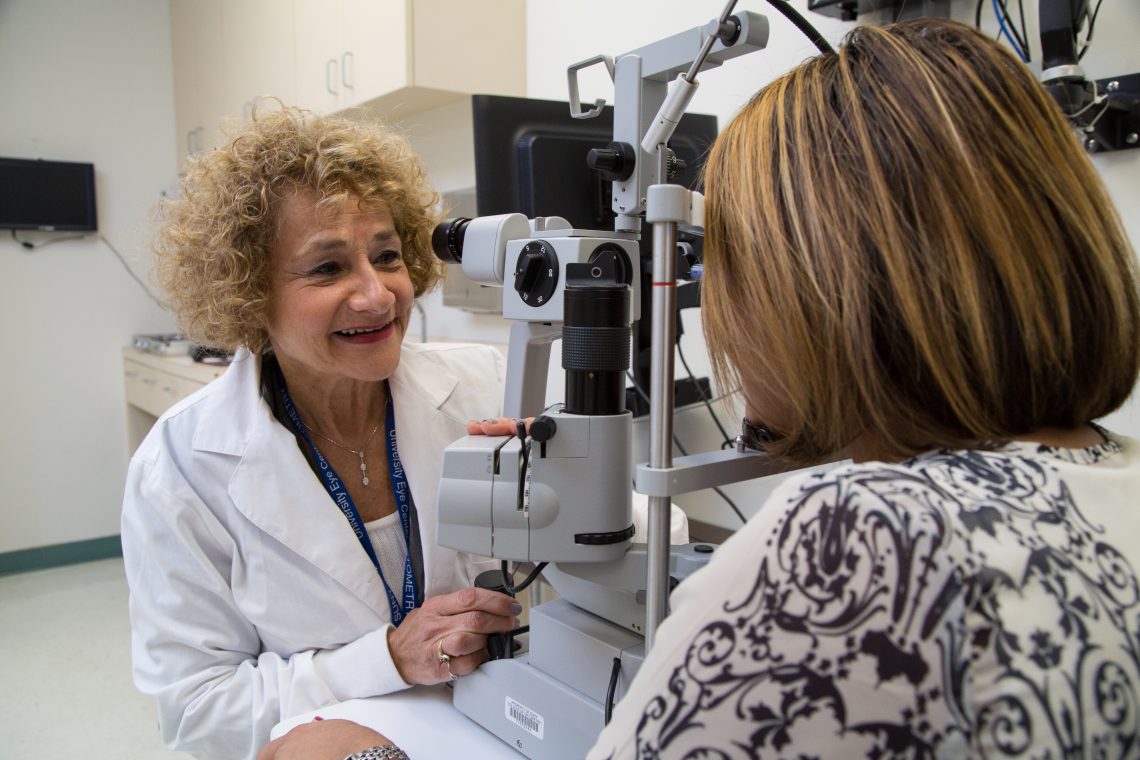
753	437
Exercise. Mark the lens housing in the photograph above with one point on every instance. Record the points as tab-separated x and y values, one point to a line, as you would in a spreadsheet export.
595	338
447	239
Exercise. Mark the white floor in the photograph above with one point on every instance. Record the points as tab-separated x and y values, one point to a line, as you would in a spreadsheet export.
65	681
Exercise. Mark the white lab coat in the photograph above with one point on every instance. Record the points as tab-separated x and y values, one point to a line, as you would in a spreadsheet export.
251	599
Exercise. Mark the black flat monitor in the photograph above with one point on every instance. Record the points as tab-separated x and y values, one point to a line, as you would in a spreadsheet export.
530	158
47	195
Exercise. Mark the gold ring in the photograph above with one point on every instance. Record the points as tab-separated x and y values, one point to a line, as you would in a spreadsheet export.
445	659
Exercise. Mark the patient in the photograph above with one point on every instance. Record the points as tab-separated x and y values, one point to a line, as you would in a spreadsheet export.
910	261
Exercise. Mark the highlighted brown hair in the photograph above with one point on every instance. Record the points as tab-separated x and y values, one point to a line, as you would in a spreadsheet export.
905	240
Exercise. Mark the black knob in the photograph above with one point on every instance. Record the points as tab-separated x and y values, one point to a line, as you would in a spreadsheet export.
542	428
604	159
529	268
622	268
500	646
536	273
614	162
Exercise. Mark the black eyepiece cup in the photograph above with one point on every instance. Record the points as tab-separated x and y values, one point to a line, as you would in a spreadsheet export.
447	239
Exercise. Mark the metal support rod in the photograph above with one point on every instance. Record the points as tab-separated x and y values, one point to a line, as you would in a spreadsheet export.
664	336
707	46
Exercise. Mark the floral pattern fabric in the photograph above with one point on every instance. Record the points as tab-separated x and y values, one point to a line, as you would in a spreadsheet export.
963	603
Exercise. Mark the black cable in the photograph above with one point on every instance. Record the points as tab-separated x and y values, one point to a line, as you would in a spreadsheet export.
899	12
732	504
1024	32
1089	35
717	489
28	244
978	14
131	272
676	442
612	689
1018	34
1013	29
509	577
802	24
531	578
44	243
701	391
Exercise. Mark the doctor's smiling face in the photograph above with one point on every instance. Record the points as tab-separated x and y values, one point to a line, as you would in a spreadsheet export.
339	291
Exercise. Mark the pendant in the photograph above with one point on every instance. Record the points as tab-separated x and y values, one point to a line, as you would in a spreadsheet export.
363	469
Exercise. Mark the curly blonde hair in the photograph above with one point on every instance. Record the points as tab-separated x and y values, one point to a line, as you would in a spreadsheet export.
212	247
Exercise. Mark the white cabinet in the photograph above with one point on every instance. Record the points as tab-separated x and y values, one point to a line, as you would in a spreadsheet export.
227	53
349	50
196	34
397	57
469	47
455	49
390	57
257	40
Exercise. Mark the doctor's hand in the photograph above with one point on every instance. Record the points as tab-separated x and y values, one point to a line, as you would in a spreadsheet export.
497	426
322	740
447	636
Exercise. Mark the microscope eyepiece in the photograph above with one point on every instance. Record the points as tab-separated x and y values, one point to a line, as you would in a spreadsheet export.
447	239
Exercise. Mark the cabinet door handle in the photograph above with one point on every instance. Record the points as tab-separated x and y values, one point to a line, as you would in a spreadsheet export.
191	148
330	76
347	61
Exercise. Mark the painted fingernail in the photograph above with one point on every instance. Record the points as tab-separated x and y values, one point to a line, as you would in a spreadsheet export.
517	623
486	422
516	608
317	717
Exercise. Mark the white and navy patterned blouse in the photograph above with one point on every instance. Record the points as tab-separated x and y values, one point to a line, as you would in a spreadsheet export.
959	604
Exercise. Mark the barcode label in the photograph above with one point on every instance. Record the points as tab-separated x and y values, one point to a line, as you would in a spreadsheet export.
523	716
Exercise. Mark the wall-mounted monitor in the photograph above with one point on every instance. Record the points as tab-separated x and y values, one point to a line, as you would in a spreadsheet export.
47	195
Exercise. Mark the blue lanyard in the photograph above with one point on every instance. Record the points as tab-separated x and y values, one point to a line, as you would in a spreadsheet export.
341	498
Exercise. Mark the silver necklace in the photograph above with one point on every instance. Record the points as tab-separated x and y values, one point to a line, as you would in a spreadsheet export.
359	453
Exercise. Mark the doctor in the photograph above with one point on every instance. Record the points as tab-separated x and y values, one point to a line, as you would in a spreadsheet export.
278	525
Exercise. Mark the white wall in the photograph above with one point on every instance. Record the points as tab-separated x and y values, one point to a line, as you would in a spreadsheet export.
79	81
559	34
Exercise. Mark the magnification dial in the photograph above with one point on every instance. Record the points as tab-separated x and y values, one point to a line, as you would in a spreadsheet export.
536	273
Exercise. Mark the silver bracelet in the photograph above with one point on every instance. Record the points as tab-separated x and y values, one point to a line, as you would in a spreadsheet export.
379	752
